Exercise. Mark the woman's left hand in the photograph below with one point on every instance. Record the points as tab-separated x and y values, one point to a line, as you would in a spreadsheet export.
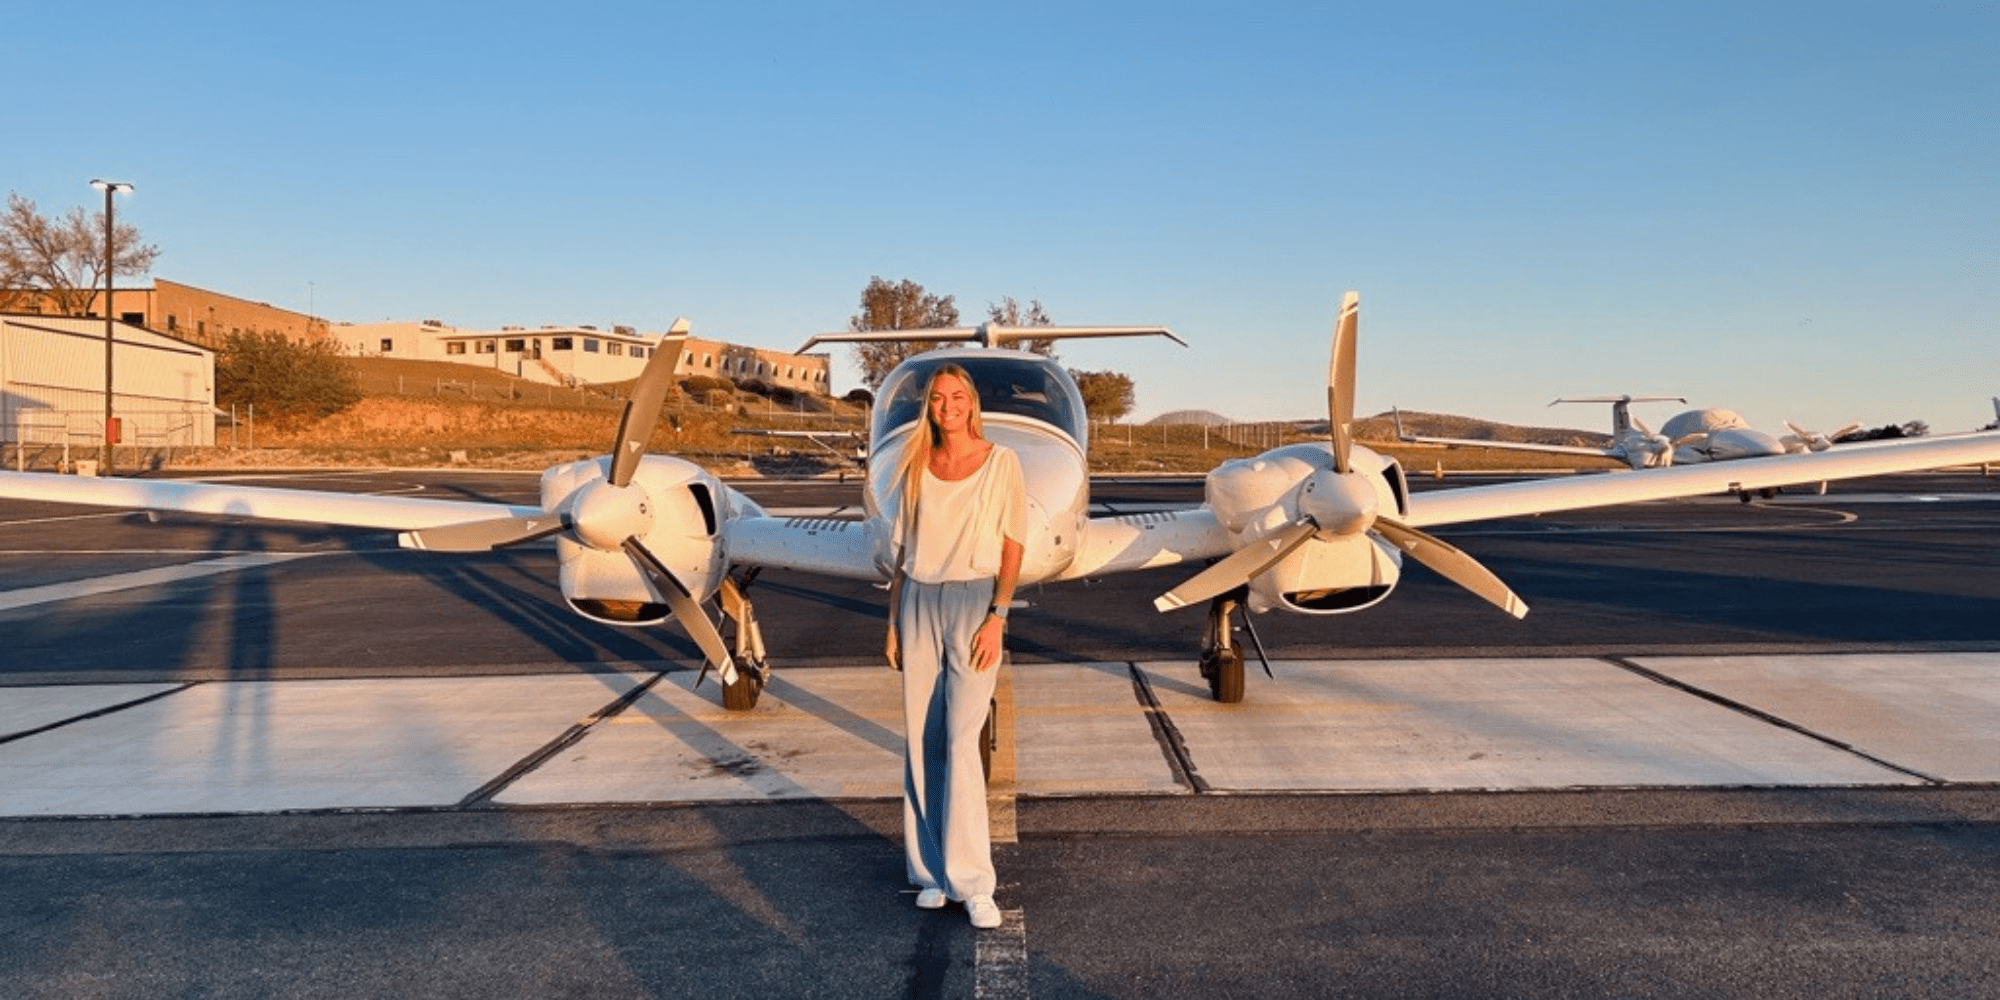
987	643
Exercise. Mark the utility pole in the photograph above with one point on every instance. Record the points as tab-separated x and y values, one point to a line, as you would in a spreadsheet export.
110	267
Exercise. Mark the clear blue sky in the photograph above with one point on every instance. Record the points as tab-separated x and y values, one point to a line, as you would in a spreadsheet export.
1791	209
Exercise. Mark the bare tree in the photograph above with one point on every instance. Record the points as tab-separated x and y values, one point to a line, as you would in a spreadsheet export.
900	306
63	259
1008	312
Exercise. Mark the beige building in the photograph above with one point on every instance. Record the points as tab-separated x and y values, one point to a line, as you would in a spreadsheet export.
196	315
561	355
579	355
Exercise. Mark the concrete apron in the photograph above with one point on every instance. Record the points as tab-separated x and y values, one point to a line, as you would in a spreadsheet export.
1066	730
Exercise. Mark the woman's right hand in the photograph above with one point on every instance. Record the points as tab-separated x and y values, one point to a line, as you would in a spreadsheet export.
891	651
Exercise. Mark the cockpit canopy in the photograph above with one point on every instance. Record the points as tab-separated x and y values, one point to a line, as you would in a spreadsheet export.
1013	382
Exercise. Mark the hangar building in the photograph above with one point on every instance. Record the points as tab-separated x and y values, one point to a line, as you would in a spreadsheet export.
52	384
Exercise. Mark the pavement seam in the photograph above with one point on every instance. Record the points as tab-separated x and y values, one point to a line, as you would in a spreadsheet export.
483	795
1766	717
98	713
1172	745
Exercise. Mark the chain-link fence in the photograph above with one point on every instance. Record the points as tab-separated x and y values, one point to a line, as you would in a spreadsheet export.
62	440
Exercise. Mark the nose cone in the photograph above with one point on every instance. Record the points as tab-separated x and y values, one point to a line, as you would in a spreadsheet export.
1339	503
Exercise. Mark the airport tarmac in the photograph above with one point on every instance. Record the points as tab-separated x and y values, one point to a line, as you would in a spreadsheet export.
1737	750
185	728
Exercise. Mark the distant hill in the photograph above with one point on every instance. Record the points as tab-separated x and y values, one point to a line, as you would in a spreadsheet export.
1381	427
1189	418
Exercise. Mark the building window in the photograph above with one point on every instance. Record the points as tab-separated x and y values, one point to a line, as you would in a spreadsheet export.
388	345
614	349
486	347
170	322
454	347
517	346
708	361
590	345
638	352
559	343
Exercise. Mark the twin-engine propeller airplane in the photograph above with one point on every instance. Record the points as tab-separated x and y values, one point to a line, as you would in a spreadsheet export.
1710	435
1317	528
1632	442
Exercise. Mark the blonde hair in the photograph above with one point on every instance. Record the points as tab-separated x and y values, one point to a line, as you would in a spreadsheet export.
928	435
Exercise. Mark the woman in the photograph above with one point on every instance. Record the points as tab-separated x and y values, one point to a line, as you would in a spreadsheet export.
961	516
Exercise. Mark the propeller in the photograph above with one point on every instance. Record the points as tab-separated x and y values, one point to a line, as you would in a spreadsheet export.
1339	501
1658	451
1801	439
607	514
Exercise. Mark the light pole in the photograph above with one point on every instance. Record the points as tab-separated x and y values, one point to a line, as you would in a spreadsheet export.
110	266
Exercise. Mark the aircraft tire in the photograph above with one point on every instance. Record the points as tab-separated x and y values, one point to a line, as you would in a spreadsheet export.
742	695
1225	675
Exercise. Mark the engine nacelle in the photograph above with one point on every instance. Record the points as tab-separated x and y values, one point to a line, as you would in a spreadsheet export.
1325	577
680	509
1333	572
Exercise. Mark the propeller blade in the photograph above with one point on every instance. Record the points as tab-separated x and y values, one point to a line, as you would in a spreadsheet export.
1340	380
1452	564
481	536
686	609
1238	568
642	411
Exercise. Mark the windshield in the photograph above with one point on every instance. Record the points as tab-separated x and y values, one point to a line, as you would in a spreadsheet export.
1031	387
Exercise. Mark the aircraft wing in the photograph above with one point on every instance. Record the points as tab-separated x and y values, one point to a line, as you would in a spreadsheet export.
851	548
828	545
1143	541
1543	496
1556	449
354	510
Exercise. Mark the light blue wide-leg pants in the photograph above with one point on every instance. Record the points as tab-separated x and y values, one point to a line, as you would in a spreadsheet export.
945	702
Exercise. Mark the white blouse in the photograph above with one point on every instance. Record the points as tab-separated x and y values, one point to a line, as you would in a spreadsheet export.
960	524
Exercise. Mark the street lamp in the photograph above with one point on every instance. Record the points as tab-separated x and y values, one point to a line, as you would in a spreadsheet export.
110	265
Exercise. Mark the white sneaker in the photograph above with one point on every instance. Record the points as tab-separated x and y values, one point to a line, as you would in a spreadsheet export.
930	899
984	912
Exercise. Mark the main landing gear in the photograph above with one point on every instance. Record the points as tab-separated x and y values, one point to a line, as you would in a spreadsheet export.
1221	656
753	671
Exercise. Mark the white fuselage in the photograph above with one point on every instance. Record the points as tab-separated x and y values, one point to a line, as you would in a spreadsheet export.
1726	444
1053	471
1029	404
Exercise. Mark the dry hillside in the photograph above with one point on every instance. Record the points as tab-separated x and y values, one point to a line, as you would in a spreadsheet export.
430	413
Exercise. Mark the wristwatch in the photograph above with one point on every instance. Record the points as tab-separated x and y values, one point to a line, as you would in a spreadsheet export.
998	611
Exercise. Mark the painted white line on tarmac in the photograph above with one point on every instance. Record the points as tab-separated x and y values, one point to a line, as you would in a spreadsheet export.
30	596
1000	964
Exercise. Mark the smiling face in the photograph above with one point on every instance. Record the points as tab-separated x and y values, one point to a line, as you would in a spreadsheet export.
951	405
